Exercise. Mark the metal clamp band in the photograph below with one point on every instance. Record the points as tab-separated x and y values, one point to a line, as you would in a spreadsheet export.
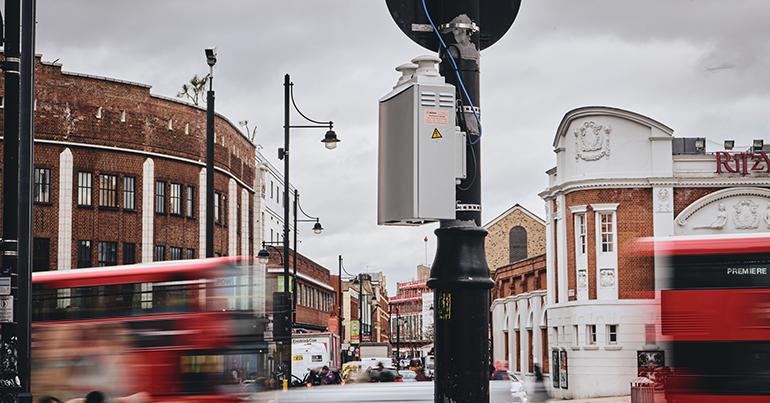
468	207
468	109
462	25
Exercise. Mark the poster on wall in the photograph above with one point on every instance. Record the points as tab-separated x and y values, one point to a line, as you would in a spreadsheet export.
563	370
648	362
555	367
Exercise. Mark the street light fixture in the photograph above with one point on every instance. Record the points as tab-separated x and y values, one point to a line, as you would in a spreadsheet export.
330	141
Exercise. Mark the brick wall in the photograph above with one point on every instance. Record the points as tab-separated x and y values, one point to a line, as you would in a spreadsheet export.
66	117
636	274
497	242
523	276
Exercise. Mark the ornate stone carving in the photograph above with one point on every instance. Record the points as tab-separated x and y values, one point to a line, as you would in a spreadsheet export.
592	141
556	210
664	201
607	278
745	215
582	279
767	215
719	221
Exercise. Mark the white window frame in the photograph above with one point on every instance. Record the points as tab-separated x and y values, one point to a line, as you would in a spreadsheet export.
611	332
591	334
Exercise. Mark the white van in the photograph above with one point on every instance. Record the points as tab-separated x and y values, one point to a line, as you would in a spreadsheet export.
307	356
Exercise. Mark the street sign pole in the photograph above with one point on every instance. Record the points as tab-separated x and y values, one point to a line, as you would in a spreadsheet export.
460	275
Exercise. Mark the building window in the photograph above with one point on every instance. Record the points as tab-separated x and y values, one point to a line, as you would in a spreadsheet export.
160	253
42	185
84	188
606	220
41	254
217	200
108	253
591	334
160	197
581	233
84	254
224	210
650	330
518	244
190	253
129	256
176	198
190	203
576	335
129	193
612	334
175	253
108	191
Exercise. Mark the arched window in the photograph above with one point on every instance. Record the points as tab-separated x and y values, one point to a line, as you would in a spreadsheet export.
518	244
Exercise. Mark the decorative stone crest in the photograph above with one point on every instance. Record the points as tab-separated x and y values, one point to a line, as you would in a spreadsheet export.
592	141
607	278
582	279
745	215
664	201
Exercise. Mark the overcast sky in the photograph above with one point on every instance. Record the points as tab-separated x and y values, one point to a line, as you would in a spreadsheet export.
701	67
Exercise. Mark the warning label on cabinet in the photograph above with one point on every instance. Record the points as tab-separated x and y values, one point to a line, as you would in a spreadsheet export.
437	118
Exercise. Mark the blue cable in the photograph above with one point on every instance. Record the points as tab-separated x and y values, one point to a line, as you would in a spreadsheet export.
457	73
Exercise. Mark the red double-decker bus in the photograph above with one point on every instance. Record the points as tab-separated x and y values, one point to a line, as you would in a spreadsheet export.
178	331
716	312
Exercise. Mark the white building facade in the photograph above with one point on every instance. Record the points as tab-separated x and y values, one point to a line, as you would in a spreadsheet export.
621	176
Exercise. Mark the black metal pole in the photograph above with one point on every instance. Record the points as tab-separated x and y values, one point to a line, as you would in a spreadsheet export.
294	275
10	238
26	169
460	276
210	167
286	333
339	306
398	338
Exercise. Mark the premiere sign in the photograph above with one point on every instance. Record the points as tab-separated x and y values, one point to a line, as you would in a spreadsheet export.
742	163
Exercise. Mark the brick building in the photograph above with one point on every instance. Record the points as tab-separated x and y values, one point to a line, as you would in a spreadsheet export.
620	176
411	315
514	235
515	248
120	175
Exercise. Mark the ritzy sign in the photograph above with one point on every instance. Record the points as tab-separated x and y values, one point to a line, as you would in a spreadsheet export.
742	163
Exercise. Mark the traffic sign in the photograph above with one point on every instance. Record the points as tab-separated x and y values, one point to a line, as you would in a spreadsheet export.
497	16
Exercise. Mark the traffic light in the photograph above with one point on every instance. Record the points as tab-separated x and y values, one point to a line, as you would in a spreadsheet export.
281	316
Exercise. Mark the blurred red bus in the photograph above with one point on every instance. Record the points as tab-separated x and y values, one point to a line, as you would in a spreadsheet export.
180	330
716	311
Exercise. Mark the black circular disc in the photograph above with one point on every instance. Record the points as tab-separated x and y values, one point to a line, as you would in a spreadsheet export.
497	16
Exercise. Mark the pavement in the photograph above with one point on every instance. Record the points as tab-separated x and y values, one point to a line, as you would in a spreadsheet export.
614	399
659	398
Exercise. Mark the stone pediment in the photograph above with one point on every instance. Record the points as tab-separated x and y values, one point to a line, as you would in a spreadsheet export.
727	211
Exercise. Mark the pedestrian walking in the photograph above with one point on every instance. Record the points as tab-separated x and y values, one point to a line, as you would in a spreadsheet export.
539	392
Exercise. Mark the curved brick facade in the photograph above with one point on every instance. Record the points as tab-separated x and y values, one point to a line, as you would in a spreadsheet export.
111	128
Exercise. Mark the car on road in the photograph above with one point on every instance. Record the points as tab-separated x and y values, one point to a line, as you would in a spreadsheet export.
408	375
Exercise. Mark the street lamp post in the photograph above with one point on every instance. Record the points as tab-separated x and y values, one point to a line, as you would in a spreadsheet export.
211	59
317	228
330	141
339	306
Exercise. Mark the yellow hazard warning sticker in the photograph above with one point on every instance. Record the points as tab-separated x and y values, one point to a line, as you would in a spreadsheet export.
436	134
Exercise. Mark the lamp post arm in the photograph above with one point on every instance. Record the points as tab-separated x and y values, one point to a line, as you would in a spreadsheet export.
291	94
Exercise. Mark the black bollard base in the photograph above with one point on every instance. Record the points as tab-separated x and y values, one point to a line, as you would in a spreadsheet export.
461	279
